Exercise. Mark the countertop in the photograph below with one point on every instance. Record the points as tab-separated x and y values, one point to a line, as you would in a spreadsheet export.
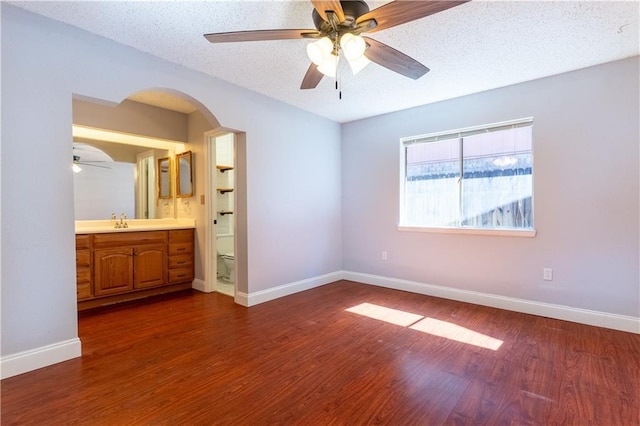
134	225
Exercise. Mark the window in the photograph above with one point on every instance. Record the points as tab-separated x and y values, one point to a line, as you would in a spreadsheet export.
474	178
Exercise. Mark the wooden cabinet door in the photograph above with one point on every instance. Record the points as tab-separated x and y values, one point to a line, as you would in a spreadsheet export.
113	271
150	266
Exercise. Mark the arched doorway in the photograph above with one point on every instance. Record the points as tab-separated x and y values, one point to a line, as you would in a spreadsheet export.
187	123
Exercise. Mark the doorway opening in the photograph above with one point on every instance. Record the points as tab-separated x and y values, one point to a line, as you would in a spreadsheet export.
221	149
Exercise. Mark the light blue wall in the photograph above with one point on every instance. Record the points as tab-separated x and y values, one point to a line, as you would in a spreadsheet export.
292	157
586	186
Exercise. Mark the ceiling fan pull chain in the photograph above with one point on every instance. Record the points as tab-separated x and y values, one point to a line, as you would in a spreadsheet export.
339	82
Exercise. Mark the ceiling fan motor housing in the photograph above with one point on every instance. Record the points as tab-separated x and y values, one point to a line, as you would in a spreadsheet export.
352	10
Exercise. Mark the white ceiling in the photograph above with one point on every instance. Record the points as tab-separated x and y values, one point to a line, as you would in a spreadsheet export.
470	48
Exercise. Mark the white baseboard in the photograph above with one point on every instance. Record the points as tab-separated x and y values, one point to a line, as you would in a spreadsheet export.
262	296
241	298
200	285
22	362
567	313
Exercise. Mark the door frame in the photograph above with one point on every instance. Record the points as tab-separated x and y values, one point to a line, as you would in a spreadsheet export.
210	190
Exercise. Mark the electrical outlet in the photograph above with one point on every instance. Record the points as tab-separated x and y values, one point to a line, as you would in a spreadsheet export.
384	255
547	274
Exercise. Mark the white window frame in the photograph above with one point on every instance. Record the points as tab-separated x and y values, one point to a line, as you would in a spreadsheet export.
460	133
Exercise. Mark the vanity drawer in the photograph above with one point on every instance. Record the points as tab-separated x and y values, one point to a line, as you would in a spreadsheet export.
181	236
180	275
83	275
128	238
83	241
182	261
83	257
83	291
182	248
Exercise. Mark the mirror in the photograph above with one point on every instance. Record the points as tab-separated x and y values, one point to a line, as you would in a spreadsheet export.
184	175
116	178
147	126
164	178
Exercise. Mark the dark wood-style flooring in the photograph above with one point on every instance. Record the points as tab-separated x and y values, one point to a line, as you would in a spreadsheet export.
199	359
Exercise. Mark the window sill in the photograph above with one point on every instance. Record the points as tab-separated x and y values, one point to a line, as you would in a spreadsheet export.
525	233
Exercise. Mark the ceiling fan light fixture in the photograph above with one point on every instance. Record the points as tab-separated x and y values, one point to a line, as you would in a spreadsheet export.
353	46
319	50
358	64
329	66
76	168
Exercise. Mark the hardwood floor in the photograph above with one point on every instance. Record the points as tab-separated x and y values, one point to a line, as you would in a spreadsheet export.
199	359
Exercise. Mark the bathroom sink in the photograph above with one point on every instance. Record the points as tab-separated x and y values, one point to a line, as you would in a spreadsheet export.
133	225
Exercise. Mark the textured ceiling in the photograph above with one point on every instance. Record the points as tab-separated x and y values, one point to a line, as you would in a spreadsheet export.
470	48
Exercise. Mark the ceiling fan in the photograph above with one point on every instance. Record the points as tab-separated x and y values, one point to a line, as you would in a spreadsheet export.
338	28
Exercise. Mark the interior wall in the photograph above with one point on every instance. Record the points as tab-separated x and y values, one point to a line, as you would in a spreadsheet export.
586	195
132	117
291	159
192	207
299	195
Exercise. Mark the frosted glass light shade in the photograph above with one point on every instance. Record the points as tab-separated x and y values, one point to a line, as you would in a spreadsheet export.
319	50
353	46
358	64
76	168
329	66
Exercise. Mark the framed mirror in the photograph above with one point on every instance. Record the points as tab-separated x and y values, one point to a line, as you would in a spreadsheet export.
164	178
184	175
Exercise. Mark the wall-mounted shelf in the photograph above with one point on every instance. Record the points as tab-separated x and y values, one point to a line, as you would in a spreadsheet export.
224	190
225	212
224	168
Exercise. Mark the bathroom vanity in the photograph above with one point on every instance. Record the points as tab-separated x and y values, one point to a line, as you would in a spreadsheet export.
115	265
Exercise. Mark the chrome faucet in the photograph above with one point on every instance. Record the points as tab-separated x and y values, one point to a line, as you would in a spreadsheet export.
123	220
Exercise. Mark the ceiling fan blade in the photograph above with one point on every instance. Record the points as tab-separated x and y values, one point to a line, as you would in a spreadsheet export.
311	78
260	35
403	11
393	59
83	163
323	6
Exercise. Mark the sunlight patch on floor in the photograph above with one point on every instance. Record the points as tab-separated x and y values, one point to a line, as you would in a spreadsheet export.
431	326
457	333
389	315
